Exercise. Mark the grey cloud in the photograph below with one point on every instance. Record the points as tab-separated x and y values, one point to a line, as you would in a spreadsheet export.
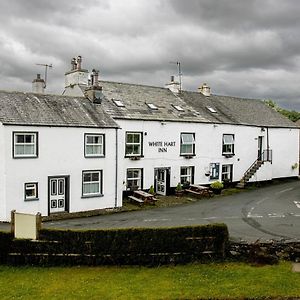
229	43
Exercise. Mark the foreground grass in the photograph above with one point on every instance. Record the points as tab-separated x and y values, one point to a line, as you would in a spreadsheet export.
219	281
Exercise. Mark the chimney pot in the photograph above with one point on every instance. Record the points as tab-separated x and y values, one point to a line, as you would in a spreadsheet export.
79	60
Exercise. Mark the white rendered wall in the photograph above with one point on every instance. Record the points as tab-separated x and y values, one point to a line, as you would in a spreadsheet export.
2	175
61	153
208	138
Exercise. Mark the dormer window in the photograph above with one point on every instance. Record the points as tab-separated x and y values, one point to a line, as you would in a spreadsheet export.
211	109
178	108
152	106
119	103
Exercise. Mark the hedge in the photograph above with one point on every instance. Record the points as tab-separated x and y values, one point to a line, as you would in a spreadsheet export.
143	246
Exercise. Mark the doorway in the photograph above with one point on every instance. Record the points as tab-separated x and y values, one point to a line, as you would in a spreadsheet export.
58	194
260	148
162	181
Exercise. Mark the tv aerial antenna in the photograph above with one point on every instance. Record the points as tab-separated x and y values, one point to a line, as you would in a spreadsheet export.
46	71
179	73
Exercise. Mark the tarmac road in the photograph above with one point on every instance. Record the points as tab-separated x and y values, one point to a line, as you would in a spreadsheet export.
267	213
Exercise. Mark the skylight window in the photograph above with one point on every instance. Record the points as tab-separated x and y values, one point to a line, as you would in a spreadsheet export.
119	103
211	109
152	106
179	108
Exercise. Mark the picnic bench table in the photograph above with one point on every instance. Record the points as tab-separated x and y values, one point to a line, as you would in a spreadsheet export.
199	190
141	197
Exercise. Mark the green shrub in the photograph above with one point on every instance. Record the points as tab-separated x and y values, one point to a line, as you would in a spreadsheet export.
217	185
178	187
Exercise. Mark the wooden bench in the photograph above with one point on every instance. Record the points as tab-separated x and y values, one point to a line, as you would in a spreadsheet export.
136	200
200	191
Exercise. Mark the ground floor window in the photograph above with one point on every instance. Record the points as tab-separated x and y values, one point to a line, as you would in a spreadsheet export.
91	183
186	175
134	179
31	191
227	172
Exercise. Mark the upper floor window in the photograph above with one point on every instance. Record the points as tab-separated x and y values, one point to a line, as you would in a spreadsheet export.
91	183
133	144
25	144
187	144
94	145
186	175
228	144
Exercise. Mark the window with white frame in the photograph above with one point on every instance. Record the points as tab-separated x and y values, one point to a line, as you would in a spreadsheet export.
227	172
133	144
186	175
94	145
228	144
91	183
187	144
25	144
134	179
31	191
214	170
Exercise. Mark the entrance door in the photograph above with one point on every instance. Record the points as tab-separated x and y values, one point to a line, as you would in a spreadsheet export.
260	148
162	181
57	194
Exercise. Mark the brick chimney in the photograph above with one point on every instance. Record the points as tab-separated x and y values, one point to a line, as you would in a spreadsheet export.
38	85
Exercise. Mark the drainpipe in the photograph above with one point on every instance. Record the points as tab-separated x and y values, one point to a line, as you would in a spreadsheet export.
116	184
268	146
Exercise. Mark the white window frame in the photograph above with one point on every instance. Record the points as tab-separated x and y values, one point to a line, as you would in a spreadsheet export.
133	144
31	186
136	179
91	182
228	144
118	103
184	141
152	106
94	145
227	172
178	108
188	176
33	143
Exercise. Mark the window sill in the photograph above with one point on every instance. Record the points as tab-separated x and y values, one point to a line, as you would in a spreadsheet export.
91	196
188	156
137	157
25	157
94	156
33	199
229	155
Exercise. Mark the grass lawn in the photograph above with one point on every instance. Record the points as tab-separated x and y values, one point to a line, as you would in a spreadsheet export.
195	281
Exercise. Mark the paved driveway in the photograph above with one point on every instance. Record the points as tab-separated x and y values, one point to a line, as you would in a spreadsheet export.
267	213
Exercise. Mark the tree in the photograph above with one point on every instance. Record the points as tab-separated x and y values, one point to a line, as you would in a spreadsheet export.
291	114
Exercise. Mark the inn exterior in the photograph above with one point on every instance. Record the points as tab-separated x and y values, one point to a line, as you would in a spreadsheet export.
111	138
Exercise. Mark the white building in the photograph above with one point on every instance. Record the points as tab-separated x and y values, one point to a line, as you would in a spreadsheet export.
57	154
104	138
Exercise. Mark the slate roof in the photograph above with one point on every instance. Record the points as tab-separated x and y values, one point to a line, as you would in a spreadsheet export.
229	110
135	98
234	110
52	110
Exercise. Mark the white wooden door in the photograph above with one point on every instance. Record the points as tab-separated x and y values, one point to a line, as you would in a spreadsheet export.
161	181
57	194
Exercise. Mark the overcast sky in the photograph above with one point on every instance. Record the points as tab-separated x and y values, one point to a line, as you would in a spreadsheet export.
246	48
